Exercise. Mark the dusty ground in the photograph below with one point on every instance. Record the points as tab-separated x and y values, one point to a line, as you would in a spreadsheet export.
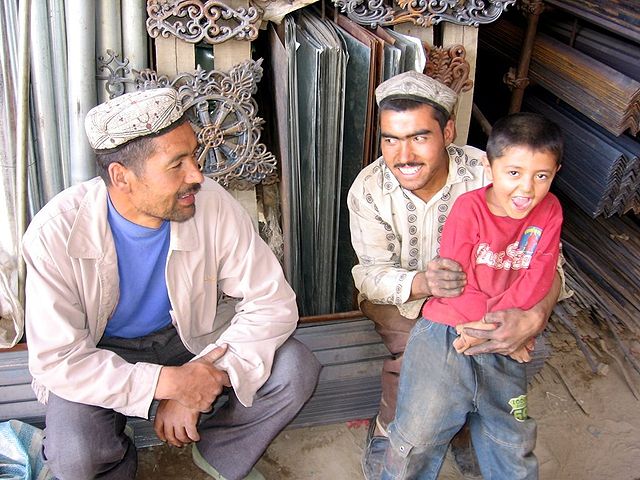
595	435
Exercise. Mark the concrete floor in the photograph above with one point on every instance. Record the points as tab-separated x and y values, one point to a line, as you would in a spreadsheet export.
315	453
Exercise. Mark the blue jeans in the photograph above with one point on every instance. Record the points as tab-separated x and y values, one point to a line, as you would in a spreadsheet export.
440	390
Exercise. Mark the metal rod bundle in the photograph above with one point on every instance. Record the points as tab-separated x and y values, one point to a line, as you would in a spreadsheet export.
600	171
620	16
608	97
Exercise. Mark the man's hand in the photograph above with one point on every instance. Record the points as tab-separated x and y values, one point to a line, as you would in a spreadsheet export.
195	384
513	329
176	424
443	278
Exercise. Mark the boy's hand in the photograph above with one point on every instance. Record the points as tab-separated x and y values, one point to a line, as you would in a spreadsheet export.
464	341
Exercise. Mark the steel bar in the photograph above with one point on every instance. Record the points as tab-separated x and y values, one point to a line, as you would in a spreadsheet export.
58	37
108	37
22	125
80	20
134	35
522	72
9	240
605	95
44	108
620	16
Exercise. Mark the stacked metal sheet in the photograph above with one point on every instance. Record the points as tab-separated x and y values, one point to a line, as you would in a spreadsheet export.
600	171
606	96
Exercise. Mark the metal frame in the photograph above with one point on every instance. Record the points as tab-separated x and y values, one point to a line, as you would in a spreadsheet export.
425	13
196	21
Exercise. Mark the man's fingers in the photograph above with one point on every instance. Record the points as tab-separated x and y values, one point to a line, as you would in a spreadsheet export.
447	264
480	333
158	426
215	354
192	433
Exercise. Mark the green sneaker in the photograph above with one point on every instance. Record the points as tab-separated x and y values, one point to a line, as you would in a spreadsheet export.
203	465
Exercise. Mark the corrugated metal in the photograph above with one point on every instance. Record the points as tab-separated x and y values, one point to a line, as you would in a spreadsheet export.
349	388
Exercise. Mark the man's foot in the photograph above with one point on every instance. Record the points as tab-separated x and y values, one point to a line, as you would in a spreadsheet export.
374	450
203	465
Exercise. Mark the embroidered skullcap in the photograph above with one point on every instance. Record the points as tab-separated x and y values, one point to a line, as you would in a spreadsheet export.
420	87
132	115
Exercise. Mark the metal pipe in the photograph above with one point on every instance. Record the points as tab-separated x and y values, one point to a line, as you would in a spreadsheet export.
534	9
81	27
134	35
108	37
59	50
481	119
44	119
8	241
22	133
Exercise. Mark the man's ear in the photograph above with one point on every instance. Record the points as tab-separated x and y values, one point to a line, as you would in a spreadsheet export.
119	176
487	168
449	131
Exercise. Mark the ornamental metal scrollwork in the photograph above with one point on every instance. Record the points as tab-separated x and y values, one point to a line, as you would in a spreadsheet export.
449	66
223	113
425	13
114	71
195	21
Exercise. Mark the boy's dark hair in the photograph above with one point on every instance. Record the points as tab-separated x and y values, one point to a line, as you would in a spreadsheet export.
524	129
132	154
406	104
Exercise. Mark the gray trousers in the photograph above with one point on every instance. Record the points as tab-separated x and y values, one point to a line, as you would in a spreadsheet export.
84	442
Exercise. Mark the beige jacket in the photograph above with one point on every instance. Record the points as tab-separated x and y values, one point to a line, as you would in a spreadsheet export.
72	290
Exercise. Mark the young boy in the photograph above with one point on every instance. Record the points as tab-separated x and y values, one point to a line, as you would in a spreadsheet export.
506	237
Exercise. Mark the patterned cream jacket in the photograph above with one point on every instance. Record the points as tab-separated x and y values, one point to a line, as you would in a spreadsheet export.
395	233
72	290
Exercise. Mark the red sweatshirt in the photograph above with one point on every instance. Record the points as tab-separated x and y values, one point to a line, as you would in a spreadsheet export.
509	263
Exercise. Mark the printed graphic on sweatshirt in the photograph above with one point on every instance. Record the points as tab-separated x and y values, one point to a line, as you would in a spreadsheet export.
517	255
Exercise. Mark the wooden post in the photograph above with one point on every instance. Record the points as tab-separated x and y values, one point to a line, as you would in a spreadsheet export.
425	34
174	55
468	38
225	56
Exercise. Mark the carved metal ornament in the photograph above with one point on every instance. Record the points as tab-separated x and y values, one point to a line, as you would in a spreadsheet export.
449	66
425	13
114	71
224	118
196	21
223	114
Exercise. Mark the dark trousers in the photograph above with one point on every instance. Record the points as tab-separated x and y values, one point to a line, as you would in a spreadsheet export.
394	330
84	441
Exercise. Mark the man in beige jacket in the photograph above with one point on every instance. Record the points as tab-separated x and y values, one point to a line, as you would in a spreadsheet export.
125	274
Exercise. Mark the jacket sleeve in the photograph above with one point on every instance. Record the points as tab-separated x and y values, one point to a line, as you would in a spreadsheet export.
63	357
266	313
378	275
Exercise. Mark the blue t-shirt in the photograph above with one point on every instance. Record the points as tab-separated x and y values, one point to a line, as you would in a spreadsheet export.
143	307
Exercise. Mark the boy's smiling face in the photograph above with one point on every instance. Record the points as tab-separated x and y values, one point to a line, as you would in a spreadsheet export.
521	178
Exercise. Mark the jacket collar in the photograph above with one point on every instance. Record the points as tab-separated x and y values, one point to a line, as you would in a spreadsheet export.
90	232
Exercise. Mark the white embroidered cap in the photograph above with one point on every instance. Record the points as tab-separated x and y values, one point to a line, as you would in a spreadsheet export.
132	115
418	86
